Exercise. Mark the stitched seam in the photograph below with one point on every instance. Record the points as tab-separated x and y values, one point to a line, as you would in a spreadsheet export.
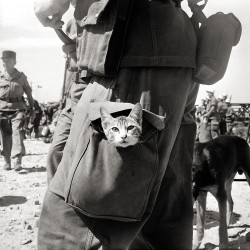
152	25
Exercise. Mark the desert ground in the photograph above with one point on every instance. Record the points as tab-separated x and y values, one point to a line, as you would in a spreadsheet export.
21	196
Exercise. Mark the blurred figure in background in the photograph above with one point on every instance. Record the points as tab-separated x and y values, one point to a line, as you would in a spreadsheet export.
222	110
13	84
229	116
200	110
33	126
209	128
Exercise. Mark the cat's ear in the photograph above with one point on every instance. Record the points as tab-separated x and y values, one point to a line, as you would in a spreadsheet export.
105	116
136	113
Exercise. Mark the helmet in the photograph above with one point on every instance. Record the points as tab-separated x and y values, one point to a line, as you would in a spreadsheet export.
227	100
224	94
210	90
220	97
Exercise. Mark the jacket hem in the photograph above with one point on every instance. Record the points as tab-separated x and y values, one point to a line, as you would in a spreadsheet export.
161	61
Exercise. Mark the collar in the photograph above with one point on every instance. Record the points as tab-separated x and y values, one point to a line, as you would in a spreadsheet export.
6	76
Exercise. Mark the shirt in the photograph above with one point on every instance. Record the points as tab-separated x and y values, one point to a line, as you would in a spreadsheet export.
12	90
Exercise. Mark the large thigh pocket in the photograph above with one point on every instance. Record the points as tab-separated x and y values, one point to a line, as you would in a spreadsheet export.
112	182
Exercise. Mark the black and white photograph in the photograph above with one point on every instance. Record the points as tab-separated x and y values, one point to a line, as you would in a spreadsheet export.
124	124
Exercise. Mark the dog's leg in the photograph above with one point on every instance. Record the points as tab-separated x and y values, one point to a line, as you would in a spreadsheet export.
221	197
230	203
246	171
200	221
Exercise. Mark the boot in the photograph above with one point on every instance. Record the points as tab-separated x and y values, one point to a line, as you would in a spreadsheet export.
18	163
7	165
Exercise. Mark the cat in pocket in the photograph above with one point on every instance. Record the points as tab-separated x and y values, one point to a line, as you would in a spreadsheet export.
123	131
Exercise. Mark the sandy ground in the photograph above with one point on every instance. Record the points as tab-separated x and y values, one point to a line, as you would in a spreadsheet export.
21	196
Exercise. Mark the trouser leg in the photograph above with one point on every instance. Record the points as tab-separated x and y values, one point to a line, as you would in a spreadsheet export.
163	92
205	132
60	227
171	223
18	148
63	228
170	226
215	132
60	137
6	139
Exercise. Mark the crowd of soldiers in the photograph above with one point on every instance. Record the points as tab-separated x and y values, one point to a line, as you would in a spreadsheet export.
215	116
42	126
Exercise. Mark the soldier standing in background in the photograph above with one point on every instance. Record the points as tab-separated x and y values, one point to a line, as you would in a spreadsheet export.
13	84
74	88
209	128
34	125
222	110
230	116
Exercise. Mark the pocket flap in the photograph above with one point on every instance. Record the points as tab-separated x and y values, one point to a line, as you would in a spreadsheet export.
115	107
89	12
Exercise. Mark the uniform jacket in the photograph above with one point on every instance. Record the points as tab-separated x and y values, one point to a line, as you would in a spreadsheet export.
12	90
130	33
212	102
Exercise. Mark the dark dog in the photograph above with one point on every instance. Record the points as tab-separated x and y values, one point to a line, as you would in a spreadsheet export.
215	165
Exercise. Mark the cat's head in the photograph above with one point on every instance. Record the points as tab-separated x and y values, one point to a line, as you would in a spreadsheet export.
123	131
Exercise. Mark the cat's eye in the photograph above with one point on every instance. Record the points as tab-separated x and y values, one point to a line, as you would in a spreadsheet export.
130	127
115	129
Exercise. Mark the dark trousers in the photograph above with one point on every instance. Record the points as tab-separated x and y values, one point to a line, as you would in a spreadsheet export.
60	137
12	136
167	221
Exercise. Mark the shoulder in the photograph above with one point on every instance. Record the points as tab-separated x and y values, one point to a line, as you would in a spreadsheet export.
20	75
214	100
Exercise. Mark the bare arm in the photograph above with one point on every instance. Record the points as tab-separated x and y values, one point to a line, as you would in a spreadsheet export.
50	12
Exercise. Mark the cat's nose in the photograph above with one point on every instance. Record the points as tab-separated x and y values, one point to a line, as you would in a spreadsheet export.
124	137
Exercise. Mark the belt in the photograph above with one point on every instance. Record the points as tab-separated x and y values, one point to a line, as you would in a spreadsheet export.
9	99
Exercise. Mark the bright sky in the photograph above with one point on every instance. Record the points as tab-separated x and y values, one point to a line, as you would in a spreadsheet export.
40	57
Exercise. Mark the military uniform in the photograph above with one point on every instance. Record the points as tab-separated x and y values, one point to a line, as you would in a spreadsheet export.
63	125
154	68
12	113
222	110
74	88
230	118
209	127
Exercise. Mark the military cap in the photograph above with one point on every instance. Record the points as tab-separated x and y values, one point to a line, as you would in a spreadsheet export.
8	54
210	89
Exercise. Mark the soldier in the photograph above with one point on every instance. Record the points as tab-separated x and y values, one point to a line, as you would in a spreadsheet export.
13	84
200	110
209	128
222	110
34	125
230	116
156	72
74	88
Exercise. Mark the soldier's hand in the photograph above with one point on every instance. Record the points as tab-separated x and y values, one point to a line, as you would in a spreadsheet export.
50	12
197	5
70	50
